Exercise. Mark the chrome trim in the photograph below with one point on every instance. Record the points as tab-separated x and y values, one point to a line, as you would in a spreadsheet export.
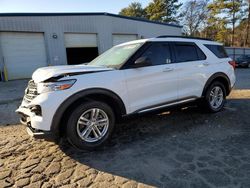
166	105
30	91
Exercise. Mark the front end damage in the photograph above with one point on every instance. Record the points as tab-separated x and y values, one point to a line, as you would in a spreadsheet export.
31	115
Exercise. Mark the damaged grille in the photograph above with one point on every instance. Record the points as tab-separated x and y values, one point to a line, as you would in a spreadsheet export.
30	91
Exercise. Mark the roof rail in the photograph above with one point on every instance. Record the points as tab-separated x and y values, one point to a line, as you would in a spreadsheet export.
173	36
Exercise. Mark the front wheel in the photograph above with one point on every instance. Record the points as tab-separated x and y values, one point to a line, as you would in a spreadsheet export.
215	97
90	125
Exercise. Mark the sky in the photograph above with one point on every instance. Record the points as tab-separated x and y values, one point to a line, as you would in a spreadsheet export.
111	6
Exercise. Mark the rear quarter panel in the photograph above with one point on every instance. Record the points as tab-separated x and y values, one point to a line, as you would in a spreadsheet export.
217	64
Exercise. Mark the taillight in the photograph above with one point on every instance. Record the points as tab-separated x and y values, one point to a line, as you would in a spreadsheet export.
233	63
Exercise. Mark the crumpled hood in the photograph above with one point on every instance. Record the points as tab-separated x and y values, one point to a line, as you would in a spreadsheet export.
45	73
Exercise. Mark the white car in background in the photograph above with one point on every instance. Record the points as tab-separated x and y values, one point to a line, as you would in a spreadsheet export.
83	102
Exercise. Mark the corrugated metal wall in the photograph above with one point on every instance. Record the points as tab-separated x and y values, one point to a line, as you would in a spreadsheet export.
235	52
103	25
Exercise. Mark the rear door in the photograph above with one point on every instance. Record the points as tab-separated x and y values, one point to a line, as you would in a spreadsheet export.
191	68
152	85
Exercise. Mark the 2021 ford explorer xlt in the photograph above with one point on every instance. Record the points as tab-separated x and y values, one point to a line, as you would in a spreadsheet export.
83	102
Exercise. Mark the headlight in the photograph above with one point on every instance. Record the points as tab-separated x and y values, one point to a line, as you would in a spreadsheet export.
55	86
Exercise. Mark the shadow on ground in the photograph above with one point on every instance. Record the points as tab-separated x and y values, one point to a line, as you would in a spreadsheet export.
186	148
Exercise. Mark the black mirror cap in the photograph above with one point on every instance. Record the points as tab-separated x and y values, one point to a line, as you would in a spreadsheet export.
142	62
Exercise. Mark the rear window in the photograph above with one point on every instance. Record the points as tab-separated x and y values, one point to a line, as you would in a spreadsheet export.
188	52
217	50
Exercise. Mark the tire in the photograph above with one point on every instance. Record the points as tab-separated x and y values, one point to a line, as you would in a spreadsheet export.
218	103
96	113
246	66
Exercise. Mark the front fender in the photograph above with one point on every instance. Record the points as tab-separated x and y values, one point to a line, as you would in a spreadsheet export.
58	116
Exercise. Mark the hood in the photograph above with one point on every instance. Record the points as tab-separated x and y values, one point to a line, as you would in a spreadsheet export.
45	73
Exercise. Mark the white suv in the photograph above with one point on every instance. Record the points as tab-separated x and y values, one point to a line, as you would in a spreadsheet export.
83	102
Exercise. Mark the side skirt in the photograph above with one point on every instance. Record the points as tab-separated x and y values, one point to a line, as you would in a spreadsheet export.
159	107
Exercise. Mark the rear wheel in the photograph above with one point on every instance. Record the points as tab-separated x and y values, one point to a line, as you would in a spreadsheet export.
246	66
215	97
90	125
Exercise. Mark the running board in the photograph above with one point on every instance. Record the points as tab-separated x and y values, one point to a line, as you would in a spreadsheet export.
167	105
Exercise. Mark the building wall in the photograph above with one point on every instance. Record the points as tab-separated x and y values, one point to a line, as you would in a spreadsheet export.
103	25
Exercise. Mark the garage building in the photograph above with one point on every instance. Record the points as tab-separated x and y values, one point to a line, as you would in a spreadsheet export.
32	40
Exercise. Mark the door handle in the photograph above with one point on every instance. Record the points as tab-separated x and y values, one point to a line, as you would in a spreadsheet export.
206	63
168	69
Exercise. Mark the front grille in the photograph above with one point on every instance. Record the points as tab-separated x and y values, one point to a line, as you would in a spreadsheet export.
31	91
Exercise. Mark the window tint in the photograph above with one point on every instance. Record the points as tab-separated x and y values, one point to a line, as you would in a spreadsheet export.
201	55
188	52
218	50
158	54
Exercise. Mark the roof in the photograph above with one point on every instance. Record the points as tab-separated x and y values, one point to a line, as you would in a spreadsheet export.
86	14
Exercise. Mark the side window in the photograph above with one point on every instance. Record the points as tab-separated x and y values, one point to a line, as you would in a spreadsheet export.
158	54
188	52
217	50
201	55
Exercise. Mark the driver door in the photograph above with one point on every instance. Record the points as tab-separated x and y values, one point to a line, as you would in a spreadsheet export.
153	85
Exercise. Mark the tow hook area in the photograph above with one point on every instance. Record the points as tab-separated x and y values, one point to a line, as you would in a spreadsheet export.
39	134
33	132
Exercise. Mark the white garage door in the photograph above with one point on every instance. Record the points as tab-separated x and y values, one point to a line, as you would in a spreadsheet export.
77	40
23	53
118	39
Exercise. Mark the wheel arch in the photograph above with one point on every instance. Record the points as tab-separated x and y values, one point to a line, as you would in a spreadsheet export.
221	77
98	94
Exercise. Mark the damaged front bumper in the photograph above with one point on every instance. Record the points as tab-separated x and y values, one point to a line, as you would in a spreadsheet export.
32	120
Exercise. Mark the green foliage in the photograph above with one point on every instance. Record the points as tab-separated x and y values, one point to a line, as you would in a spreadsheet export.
157	10
226	21
163	10
224	14
134	10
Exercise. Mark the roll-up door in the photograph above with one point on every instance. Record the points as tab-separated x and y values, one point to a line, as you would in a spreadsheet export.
121	38
23	53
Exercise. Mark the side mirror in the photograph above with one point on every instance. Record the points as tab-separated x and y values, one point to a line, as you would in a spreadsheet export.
142	62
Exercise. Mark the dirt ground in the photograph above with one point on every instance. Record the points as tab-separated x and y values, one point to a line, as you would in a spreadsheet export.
181	148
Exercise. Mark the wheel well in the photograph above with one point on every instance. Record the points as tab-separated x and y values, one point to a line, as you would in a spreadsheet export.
225	81
115	103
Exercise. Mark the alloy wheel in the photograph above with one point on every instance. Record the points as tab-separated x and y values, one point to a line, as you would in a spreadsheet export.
92	125
216	97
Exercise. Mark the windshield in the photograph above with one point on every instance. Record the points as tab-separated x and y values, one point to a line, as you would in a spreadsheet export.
116	56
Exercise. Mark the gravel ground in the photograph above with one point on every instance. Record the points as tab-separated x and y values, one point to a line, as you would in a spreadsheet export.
181	148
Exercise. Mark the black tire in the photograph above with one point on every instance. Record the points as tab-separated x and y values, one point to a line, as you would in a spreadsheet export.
72	131
207	104
246	66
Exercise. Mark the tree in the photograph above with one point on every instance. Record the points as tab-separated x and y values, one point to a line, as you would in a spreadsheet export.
233	8
133	10
224	13
240	35
193	15
163	10
247	12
